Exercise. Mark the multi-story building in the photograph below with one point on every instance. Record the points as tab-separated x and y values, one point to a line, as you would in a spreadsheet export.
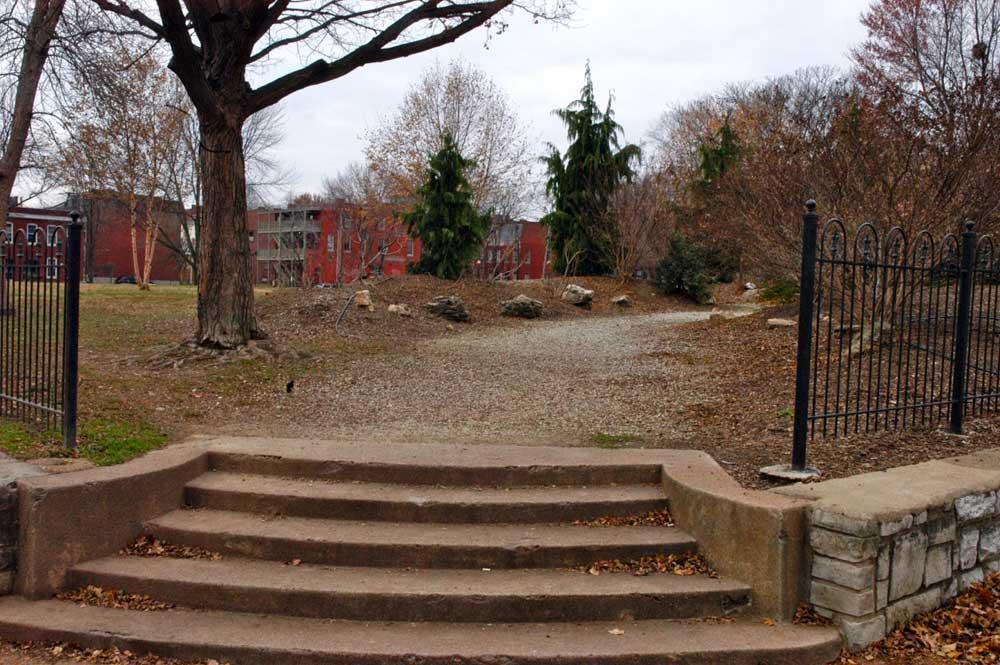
335	244
515	250
340	243
107	238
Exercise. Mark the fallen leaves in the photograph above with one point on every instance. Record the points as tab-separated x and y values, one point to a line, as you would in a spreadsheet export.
806	615
95	596
684	565
652	518
965	631
149	546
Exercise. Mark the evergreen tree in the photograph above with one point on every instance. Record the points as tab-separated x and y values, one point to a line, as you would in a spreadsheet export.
450	229
581	183
718	157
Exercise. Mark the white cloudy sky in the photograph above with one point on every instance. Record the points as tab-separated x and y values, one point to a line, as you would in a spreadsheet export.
649	53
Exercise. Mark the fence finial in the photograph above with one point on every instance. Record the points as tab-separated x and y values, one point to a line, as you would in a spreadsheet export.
970	226
811	205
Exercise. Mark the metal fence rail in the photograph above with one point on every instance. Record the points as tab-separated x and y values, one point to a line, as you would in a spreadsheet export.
39	327
894	331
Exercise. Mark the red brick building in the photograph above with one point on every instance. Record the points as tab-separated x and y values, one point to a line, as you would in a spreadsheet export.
107	242
339	243
515	250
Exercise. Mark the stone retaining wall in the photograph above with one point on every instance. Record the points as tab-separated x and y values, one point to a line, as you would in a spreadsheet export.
888	546
872	578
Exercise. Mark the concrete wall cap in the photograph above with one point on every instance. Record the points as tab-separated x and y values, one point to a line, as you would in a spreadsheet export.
891	496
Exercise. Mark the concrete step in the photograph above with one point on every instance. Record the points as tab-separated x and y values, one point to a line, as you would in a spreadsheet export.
381	594
273	495
455	467
401	545
275	640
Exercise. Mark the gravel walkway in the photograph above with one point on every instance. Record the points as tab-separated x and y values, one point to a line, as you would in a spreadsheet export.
538	383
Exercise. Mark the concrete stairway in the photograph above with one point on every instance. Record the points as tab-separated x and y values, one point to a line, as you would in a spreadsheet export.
360	562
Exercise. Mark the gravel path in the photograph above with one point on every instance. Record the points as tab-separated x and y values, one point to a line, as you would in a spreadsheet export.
542	382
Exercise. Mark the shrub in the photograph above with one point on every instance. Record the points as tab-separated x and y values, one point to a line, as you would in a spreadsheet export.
785	291
688	269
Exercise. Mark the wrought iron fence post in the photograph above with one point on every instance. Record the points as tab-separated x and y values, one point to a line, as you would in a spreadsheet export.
807	286
963	314
71	331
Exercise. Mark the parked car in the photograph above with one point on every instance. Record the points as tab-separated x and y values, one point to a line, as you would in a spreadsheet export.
125	279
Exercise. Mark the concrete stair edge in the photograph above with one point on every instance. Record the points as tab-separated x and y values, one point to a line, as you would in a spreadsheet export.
375	594
274	640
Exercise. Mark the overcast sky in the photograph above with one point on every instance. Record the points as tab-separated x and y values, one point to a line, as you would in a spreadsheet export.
650	53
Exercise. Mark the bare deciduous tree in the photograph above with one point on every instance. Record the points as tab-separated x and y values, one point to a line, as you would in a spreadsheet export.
213	44
262	132
640	224
17	96
120	147
463	101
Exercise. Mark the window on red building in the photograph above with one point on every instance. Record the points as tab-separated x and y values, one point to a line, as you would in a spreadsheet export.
347	242
409	247
330	243
52	238
9	230
32	234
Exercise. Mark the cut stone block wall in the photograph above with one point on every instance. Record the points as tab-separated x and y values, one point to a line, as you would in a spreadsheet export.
871	577
886	547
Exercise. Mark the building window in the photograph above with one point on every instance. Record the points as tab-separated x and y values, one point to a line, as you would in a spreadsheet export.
9	232
381	225
410	247
32	234
347	243
527	257
345	222
52	268
330	243
52	238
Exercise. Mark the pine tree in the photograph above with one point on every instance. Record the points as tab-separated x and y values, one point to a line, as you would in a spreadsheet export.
450	229
581	183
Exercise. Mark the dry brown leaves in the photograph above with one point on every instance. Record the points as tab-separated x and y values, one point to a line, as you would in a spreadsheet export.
153	547
652	518
31	653
965	631
95	596
806	615
684	565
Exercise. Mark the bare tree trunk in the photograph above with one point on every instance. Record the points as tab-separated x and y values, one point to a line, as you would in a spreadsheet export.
225	285
132	221
41	28
149	247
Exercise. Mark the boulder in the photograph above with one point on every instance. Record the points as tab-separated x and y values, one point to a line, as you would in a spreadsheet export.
363	299
750	295
622	301
575	294
522	306
780	323
448	307
749	286
402	310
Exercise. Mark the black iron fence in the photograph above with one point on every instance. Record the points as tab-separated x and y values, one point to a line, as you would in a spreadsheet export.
39	326
894	331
